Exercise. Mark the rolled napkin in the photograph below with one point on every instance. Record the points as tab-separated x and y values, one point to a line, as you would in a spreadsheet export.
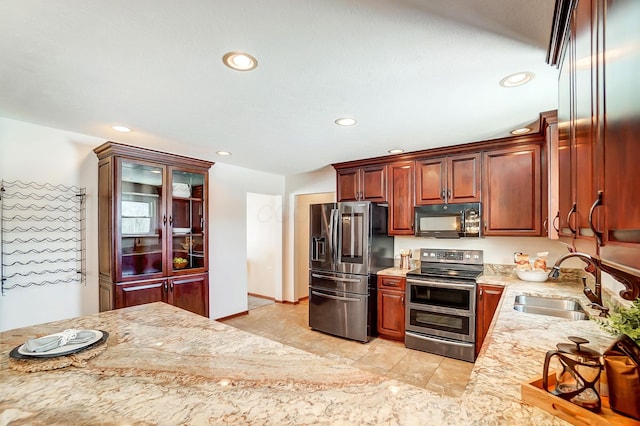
67	337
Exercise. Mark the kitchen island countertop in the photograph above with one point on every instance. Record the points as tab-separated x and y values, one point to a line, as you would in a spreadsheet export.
167	366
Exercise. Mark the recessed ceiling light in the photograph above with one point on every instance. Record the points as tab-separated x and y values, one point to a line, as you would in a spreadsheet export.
520	131
517	79
224	153
396	151
122	129
345	121
240	61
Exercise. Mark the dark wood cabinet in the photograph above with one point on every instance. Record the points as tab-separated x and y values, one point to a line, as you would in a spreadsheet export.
391	307
487	301
451	179
401	193
600	115
512	191
141	292
577	132
152	228
620	124
363	183
600	111
190	292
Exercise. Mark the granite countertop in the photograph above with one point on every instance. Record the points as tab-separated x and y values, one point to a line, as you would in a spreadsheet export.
164	365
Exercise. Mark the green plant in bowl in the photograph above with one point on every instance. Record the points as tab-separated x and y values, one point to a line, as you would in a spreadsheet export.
624	321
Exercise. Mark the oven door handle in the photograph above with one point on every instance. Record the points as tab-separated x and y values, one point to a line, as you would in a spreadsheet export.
449	342
443	285
330	296
344	280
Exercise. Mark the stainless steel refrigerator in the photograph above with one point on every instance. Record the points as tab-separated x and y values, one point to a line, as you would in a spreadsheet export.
349	245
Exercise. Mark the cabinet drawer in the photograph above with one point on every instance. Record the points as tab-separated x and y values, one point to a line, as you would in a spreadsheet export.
388	282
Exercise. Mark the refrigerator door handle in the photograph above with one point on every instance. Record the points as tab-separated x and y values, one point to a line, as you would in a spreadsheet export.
344	280
335	214
330	296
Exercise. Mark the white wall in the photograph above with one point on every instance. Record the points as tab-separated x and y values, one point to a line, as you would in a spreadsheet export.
322	180
40	154
228	188
264	244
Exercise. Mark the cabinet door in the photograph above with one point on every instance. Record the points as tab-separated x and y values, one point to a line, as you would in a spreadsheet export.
430	181
374	183
583	143
190	293
401	198
187	220
141	292
488	299
512	191
622	127
391	314
463	178
348	184
140	220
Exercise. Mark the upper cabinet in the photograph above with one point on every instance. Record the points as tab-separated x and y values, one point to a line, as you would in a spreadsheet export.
401	180
152	221
452	179
599	119
511	194
577	143
619	127
363	183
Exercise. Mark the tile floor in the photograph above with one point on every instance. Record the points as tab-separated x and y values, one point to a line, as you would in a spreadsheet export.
288	324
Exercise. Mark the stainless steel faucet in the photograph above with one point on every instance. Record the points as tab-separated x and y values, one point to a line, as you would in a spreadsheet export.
594	297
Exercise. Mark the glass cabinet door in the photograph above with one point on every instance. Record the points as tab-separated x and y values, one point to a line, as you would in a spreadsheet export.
142	215
188	242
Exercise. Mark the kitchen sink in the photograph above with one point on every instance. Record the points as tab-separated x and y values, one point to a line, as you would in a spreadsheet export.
561	308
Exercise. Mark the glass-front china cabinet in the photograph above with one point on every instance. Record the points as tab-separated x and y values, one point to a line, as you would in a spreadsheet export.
152	219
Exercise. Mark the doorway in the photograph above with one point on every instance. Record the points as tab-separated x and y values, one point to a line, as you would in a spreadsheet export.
301	239
264	248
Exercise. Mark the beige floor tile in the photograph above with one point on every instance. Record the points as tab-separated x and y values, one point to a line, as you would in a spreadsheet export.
289	324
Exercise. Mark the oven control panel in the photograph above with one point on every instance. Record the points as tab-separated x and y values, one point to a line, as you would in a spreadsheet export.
469	257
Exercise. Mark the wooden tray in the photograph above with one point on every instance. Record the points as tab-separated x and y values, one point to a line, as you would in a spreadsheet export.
534	394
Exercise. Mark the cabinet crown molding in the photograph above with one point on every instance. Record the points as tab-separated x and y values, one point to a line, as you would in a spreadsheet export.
110	148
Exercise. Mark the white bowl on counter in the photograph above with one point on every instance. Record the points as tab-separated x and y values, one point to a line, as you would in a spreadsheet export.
534	276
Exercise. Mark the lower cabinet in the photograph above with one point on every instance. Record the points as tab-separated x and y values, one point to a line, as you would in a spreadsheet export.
189	292
391	306
487	300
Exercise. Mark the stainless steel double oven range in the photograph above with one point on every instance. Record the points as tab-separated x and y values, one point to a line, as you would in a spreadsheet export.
441	303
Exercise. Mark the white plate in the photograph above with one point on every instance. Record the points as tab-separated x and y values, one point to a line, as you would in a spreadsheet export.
181	230
62	350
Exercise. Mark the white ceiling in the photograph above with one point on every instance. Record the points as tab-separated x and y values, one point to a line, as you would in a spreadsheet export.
415	74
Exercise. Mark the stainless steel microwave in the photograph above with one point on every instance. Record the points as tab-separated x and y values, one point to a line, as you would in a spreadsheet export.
448	220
